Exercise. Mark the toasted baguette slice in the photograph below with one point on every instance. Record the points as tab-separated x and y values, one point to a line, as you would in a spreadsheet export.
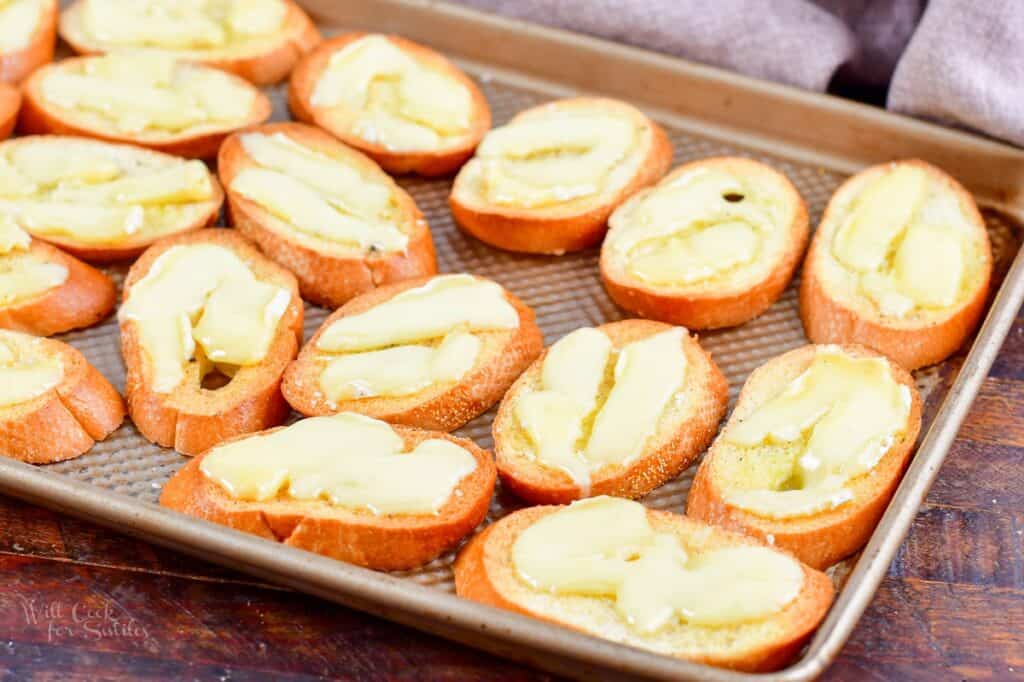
76	408
573	214
440	406
261	59
82	299
191	418
834	306
385	542
41	115
683	430
732	189
330	272
17	63
485	572
441	157
129	235
10	103
818	538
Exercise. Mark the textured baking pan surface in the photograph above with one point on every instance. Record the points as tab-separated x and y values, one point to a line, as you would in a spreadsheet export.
566	294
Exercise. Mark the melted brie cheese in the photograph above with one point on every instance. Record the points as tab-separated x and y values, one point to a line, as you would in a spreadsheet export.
19	20
23	275
26	371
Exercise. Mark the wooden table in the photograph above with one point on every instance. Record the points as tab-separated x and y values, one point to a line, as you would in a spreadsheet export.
78	602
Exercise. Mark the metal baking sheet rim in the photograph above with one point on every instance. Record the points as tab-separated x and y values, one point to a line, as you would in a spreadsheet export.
525	639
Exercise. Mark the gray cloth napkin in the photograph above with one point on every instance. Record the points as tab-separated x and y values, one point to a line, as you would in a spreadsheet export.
956	61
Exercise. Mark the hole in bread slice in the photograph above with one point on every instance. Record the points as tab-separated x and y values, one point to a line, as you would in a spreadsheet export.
432	353
401	103
813	451
54	405
259	40
713	244
326	211
618	409
99	200
571	565
900	263
547	181
195	306
145	98
346	486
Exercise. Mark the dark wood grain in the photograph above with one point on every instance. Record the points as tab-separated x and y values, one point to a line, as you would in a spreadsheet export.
78	602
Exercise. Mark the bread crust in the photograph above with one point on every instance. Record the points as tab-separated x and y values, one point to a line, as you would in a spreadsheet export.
426	163
192	419
39	118
85	297
16	65
672	448
484	573
133	246
65	421
699	308
297	36
325	278
822	538
504	356
827	319
386	542
555	232
10	104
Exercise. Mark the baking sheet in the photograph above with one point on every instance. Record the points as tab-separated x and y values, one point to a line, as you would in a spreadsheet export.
566	293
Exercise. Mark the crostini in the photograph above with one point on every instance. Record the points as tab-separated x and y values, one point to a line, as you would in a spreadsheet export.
402	104
432	353
208	325
324	211
147	99
618	409
901	263
650	579
54	405
813	452
28	35
259	40
10	104
102	201
345	486
45	291
547	182
714	244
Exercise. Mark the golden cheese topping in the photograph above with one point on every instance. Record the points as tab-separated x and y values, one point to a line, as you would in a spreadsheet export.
150	95
830	424
606	548
26	370
392	98
347	460
553	155
597	405
98	193
202	302
323	196
421	337
23	275
19	20
711	223
182	25
905	242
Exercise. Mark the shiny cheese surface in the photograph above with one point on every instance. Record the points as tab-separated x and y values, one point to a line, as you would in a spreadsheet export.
19	20
393	98
96	193
606	548
23	275
421	337
201	302
830	424
347	460
597	405
26	371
